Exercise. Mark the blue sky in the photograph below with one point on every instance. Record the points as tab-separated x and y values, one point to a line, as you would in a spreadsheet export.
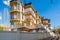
44	7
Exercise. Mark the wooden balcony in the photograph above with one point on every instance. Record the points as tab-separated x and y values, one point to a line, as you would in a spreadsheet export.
14	11
27	13
15	20
14	3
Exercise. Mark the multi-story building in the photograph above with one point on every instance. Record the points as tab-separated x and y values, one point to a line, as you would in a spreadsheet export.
15	13
46	22
23	16
5	28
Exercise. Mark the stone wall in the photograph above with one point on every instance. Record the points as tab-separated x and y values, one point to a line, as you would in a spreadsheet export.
5	35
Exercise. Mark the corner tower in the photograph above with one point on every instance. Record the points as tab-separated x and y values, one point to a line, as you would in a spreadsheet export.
14	13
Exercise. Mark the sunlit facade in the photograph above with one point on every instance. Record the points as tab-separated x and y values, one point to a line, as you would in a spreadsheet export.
15	13
24	16
46	22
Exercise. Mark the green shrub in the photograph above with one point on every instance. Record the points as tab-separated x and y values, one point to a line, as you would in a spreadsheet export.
1	28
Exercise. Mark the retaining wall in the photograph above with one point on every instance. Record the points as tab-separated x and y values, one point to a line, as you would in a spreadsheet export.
5	35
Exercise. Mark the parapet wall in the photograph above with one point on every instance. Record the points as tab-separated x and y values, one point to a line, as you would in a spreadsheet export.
5	35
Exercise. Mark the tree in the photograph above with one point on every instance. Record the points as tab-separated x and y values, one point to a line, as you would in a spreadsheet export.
57	30
1	28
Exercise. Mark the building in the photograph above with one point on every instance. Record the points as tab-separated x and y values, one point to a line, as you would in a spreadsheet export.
46	22
15	13
24	17
5	28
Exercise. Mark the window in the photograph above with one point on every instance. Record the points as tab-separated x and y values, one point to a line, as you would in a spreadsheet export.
12	16
12	23
29	12
25	10
15	23
20	8
15	16
12	8
15	7
34	15
30	23
30	16
21	16
35	21
25	24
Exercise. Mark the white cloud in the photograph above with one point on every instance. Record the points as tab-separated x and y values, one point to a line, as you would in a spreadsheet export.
6	2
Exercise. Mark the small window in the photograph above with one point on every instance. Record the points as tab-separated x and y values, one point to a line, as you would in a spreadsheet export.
12	23
15	7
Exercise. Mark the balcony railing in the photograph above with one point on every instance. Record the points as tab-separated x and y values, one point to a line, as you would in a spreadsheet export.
15	10
15	20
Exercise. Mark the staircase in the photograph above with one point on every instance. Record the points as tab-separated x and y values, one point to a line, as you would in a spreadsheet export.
53	35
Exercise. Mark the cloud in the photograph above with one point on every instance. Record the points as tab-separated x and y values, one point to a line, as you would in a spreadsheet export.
6	2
